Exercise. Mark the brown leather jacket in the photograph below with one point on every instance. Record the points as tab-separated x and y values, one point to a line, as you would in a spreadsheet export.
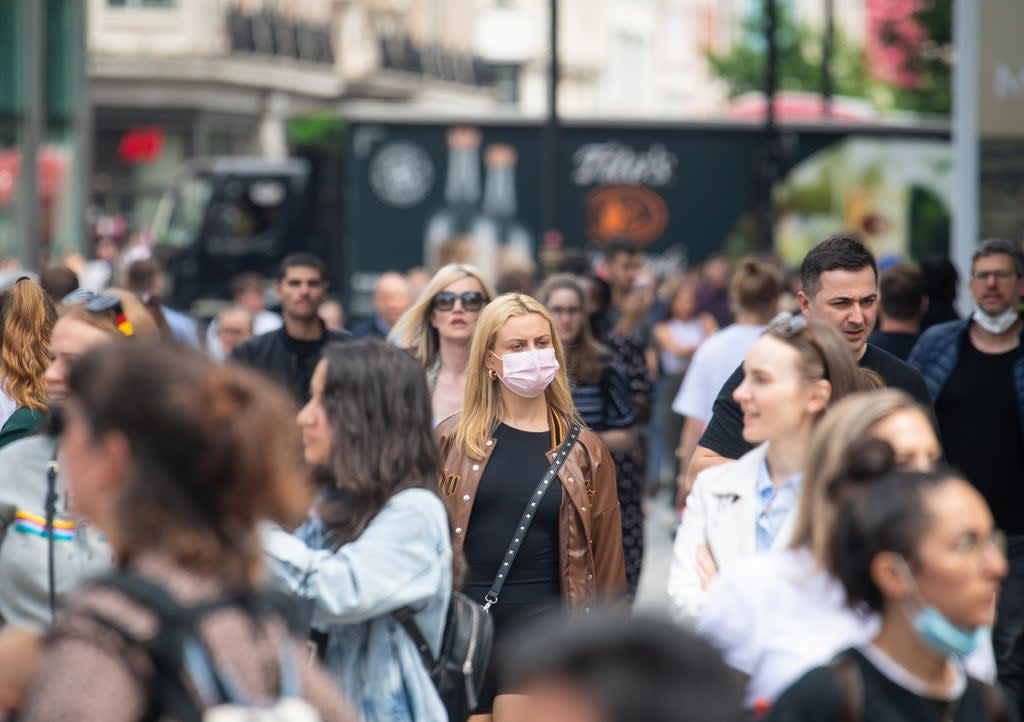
590	524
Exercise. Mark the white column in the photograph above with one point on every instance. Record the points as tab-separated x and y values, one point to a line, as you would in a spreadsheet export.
965	142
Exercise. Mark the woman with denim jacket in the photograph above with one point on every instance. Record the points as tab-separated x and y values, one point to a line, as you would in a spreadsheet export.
518	412
378	539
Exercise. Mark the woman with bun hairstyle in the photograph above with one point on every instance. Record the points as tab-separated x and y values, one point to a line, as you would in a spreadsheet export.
26	324
754	300
438	328
177	474
777	615
792	374
497	453
918	549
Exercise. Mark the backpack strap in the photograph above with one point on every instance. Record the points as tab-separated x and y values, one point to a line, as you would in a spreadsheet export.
992	698
851	687
177	651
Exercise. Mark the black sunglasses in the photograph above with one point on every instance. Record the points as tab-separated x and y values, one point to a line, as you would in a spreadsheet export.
95	302
787	324
98	303
471	300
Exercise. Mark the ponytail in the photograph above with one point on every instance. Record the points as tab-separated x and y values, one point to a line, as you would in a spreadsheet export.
27	316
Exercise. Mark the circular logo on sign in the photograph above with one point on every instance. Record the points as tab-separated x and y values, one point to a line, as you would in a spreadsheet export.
401	174
634	212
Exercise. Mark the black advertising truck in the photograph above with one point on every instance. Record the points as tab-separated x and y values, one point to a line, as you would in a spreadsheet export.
423	193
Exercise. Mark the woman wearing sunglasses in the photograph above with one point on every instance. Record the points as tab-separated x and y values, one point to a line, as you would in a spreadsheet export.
45	551
531	494
26	323
438	328
792	373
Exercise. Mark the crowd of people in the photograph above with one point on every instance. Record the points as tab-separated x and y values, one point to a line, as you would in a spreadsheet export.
275	512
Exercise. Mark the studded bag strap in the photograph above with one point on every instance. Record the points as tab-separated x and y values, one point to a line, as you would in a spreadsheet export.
528	514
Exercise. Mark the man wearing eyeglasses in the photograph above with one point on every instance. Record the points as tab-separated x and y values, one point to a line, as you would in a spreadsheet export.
975	372
839	285
290	354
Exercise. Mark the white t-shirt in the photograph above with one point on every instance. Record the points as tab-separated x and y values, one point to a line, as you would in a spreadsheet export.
684	333
776	616
711	367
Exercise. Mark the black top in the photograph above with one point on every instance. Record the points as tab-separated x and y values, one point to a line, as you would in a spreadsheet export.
287	360
724	434
816	697
897	343
512	474
977	412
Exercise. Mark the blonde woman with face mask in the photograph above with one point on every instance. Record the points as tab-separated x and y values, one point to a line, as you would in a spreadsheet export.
531	494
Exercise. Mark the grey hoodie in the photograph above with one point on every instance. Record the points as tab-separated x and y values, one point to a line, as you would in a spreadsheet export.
79	550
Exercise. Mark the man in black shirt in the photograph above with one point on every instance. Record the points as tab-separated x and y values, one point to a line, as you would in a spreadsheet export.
901	306
290	354
975	372
839	285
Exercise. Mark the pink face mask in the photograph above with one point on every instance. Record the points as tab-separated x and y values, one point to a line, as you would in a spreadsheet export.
528	373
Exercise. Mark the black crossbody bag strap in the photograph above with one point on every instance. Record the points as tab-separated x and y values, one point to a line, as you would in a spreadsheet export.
528	513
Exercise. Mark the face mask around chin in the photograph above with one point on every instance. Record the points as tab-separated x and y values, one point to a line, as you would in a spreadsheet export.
945	637
998	324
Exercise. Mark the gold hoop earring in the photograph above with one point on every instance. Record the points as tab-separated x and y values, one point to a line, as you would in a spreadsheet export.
492	375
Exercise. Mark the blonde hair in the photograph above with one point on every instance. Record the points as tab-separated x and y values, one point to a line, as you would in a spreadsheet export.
846	425
413	330
134	310
482	406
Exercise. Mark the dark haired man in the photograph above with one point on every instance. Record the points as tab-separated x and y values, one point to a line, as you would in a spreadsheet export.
974	369
290	354
603	668
838	285
902	305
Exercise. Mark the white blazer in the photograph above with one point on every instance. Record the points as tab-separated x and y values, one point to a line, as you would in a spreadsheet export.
721	513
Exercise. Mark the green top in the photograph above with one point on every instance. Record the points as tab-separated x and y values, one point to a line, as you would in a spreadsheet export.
22	423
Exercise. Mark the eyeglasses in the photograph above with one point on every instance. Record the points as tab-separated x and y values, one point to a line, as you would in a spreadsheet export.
1001	275
565	310
787	324
98	303
470	300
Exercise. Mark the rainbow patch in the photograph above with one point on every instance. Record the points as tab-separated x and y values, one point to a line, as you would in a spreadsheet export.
28	523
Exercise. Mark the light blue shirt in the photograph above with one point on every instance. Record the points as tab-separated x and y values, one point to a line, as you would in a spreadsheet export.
402	559
774	505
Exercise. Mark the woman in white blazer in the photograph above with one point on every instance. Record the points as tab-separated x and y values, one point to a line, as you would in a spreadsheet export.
735	510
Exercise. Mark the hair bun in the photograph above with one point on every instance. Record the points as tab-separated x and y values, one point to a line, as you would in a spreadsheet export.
864	462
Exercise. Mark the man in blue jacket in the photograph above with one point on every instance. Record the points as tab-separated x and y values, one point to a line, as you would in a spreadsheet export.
974	369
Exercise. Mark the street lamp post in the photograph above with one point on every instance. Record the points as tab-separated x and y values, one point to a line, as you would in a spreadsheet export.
549	140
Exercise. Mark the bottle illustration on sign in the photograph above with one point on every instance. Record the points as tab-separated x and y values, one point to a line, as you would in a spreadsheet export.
448	235
498	228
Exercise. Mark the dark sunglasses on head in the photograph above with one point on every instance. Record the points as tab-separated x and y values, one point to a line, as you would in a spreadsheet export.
787	324
471	300
98	303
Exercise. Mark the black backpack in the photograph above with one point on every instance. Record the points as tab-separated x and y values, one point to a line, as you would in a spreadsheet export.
186	685
459	670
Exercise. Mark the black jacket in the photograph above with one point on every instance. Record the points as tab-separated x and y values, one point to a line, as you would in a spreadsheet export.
270	354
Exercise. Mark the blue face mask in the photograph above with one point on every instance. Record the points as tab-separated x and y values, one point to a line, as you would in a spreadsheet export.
945	637
938	632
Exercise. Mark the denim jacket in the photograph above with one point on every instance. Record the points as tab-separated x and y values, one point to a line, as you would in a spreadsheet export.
403	558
